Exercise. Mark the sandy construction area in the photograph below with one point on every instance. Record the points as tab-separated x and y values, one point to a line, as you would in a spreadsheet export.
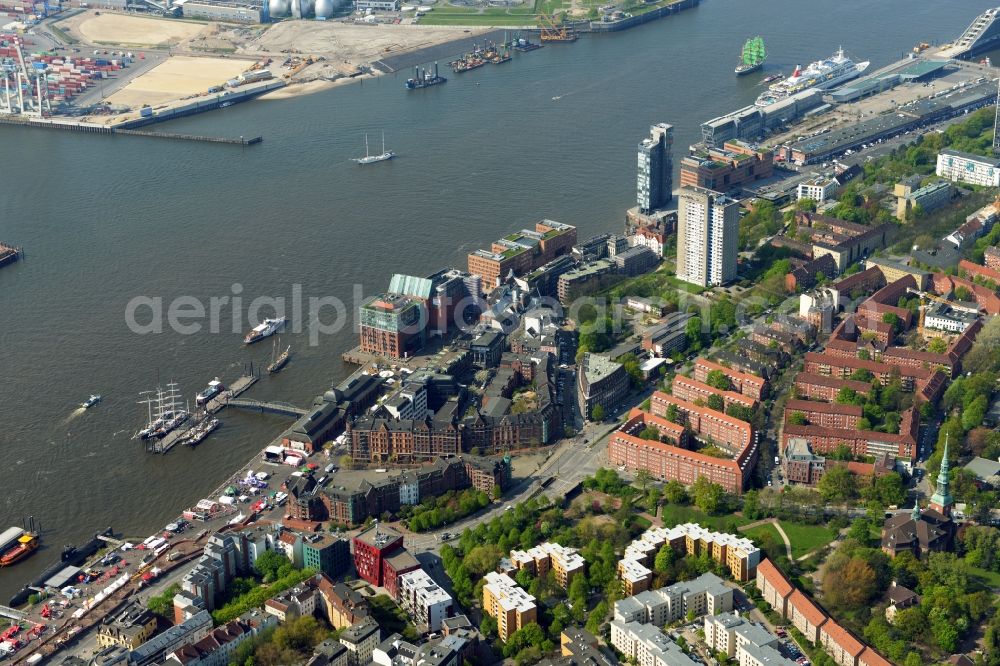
134	30
350	42
178	77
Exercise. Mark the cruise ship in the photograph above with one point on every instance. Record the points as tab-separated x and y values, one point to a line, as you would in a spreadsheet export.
821	74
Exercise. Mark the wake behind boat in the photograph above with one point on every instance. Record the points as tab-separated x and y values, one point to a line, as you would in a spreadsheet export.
371	159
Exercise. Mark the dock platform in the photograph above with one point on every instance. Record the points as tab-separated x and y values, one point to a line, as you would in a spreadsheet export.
9	253
73	126
241	385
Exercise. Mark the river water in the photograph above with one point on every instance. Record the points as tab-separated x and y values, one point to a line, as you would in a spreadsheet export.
107	219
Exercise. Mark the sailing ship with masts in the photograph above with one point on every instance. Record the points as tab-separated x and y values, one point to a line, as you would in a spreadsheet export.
752	56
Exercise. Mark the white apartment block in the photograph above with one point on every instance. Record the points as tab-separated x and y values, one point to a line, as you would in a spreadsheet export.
739	554
647	645
361	640
728	633
961	167
705	595
566	562
819	189
708	226
753	655
426	601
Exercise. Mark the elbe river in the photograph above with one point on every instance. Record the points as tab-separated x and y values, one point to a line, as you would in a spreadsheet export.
104	220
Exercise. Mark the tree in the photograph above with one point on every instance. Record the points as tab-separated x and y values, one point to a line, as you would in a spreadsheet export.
650	433
838	485
862	375
751	505
270	564
716	402
597	616
893	320
643	477
911	623
937	346
849	583
674	492
974	413
797	418
707	495
740	412
963	294
717	379
673	414
597	413
665	558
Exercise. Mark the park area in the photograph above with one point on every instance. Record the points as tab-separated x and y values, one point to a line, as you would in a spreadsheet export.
117	29
177	77
804	538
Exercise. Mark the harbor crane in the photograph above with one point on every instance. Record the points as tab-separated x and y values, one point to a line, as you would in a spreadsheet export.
555	33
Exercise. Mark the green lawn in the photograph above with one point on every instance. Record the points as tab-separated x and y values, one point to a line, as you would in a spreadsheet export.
451	15
675	514
807	538
804	538
990	579
758	533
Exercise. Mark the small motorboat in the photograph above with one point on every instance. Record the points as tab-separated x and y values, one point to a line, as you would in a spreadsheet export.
90	402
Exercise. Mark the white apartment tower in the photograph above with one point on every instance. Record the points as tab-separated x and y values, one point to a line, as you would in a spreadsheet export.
708	227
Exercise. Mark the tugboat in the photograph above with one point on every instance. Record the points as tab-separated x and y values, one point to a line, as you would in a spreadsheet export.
265	329
90	402
214	388
752	57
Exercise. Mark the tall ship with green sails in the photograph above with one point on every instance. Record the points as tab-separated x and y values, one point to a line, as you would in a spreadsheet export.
753	56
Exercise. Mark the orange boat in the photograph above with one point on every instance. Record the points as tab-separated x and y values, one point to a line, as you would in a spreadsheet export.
26	545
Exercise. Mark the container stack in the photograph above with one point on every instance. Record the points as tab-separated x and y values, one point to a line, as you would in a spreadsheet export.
66	77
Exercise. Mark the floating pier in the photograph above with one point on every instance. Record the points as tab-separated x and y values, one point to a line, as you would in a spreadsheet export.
235	389
9	253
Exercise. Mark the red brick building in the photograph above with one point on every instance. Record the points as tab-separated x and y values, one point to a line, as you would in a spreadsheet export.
689	389
747	384
729	433
672	463
971	271
522	252
866	281
825	414
860	442
722	170
826	364
824	387
986	298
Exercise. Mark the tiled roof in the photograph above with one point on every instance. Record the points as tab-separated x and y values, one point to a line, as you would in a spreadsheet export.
805	607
